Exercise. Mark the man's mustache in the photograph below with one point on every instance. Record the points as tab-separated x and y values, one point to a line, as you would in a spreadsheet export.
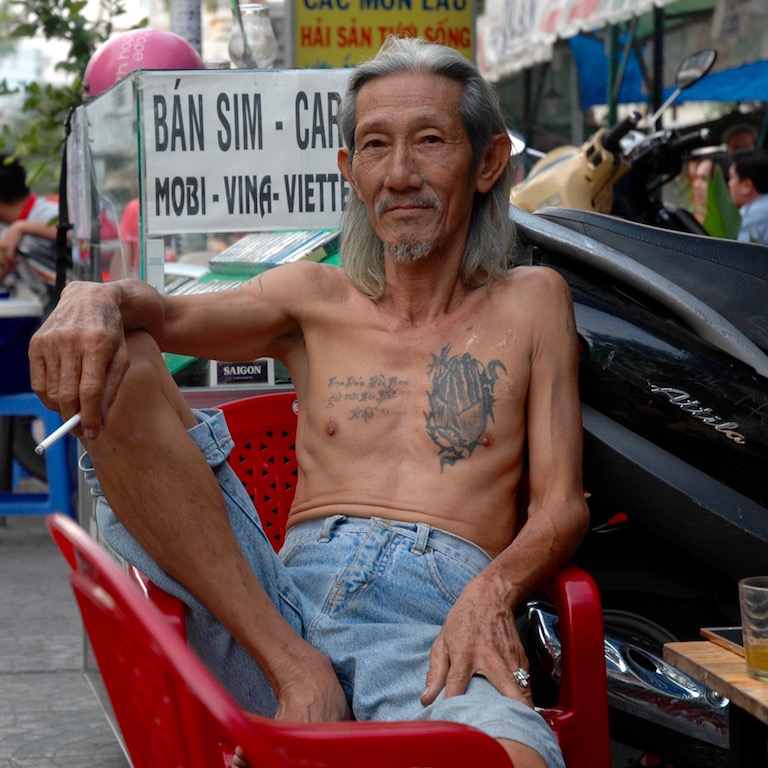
414	201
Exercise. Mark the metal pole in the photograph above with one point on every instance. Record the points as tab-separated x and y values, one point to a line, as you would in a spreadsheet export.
613	93
6	459
658	63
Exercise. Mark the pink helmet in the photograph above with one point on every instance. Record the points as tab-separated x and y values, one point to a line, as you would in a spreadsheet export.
137	49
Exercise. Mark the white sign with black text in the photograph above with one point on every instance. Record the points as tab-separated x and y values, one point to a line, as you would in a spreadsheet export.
236	150
234	374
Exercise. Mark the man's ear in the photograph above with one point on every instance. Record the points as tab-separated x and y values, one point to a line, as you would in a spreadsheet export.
342	160
494	162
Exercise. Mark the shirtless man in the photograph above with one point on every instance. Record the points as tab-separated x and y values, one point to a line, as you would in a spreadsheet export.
433	384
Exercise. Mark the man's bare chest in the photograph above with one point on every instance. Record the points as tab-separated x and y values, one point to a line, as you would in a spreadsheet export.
448	393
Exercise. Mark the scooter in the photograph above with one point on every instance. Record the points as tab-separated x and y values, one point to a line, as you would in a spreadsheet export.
621	171
673	332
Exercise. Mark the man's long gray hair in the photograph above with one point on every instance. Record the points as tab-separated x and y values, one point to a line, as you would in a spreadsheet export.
490	242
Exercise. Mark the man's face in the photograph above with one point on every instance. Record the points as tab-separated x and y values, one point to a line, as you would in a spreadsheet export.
742	140
738	188
700	181
411	167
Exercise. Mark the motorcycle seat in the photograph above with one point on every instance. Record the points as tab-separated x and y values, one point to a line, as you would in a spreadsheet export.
728	275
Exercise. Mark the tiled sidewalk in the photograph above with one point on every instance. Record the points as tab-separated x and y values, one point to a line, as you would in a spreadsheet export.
48	714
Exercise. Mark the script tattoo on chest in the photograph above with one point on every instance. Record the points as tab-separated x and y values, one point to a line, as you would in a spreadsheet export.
367	396
461	403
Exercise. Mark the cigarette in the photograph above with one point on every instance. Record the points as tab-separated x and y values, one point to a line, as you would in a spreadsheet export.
57	434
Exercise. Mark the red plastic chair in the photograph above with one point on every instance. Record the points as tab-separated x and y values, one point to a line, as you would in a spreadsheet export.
173	713
263	429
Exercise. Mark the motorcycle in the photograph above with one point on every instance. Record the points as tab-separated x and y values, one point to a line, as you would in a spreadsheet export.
673	339
673	334
621	171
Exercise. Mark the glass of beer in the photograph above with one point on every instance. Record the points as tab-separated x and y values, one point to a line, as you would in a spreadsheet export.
753	600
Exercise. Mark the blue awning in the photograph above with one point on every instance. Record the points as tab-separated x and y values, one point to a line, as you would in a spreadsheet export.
592	71
748	82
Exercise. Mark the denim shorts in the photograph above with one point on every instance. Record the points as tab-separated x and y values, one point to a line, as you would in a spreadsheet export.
371	594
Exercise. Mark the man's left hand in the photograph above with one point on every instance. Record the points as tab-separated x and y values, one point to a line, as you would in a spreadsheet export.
479	637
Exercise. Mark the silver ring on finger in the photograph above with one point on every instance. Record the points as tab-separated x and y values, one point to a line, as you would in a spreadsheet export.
522	678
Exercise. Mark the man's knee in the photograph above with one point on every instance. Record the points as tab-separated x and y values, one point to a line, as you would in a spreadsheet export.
147	369
147	389
521	755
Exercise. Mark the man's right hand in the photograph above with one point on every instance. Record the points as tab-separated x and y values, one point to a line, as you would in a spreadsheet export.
310	692
79	355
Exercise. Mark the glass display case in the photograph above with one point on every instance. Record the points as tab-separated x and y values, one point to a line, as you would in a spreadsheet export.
194	180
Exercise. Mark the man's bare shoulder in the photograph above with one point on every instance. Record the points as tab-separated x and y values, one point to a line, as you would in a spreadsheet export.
537	298
540	289
534	278
305	278
546	305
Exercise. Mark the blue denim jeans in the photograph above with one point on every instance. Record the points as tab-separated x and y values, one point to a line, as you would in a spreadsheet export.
371	594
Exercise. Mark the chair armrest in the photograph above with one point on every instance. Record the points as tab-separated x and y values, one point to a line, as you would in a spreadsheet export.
583	698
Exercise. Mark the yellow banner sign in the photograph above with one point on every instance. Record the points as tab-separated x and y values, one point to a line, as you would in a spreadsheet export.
341	33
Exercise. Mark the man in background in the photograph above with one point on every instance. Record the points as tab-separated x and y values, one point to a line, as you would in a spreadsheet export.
27	233
748	187
738	137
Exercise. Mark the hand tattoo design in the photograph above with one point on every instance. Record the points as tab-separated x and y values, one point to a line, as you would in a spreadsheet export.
461	403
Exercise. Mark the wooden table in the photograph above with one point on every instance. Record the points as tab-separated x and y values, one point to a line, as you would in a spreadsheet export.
726	672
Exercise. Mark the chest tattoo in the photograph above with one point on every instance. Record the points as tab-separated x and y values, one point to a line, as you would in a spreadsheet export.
461	403
366	396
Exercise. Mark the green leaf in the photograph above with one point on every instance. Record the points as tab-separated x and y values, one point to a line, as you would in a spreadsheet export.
722	217
36	133
23	30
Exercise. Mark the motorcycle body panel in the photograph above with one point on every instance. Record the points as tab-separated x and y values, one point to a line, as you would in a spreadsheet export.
673	383
676	429
574	177
673	377
642	684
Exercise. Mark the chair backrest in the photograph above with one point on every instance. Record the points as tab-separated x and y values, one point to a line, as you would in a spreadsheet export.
263	429
172	711
264	432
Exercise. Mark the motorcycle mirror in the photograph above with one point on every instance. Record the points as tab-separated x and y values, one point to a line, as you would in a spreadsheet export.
689	72
695	67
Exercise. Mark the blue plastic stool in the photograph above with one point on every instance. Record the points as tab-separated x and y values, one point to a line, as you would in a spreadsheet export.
59	497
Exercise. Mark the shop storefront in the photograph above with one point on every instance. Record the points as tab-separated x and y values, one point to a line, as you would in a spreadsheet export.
554	61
